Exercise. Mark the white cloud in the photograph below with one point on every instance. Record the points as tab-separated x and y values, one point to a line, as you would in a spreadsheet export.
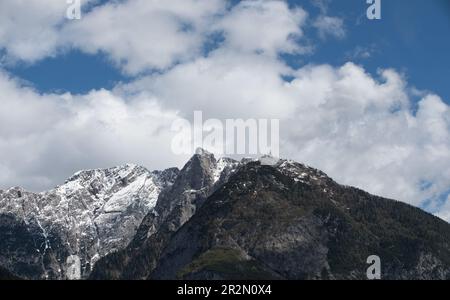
357	128
31	30
136	34
28	28
142	35
362	132
227	84
264	26
139	34
45	138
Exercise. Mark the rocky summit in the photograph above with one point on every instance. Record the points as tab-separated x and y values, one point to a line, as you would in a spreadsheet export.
215	219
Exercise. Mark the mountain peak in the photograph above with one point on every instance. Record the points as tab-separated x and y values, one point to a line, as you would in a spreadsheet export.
92	214
279	219
202	152
271	213
269	160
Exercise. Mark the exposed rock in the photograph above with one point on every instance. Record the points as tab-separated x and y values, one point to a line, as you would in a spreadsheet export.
286	221
215	219
93	213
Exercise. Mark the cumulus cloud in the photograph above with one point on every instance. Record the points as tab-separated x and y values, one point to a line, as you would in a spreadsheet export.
45	138
264	26
363	132
28	28
175	31
139	34
360	129
227	84
136	34
31	30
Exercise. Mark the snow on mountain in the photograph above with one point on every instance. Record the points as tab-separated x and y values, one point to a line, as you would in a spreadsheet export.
224	166
300	172
96	212
157	220
93	213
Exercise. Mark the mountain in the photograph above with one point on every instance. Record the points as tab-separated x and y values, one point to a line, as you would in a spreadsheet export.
198	179
278	219
61	233
215	219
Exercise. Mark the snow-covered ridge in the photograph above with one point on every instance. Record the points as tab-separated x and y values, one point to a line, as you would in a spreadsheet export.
94	211
300	172
224	166
115	188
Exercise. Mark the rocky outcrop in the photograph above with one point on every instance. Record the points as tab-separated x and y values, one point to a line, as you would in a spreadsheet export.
284	220
216	219
198	179
60	234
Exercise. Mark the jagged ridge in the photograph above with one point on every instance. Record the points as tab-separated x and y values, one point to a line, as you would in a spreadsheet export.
216	219
278	219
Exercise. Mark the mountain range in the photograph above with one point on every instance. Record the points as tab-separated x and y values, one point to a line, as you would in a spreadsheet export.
215	219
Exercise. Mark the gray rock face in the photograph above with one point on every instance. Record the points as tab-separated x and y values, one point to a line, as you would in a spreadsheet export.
198	179
282	220
61	233
201	175
216	219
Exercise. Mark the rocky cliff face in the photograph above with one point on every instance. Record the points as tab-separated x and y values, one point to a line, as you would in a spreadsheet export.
198	179
216	219
282	220
62	233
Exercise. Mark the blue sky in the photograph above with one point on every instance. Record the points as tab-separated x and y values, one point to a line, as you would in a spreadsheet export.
412	37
